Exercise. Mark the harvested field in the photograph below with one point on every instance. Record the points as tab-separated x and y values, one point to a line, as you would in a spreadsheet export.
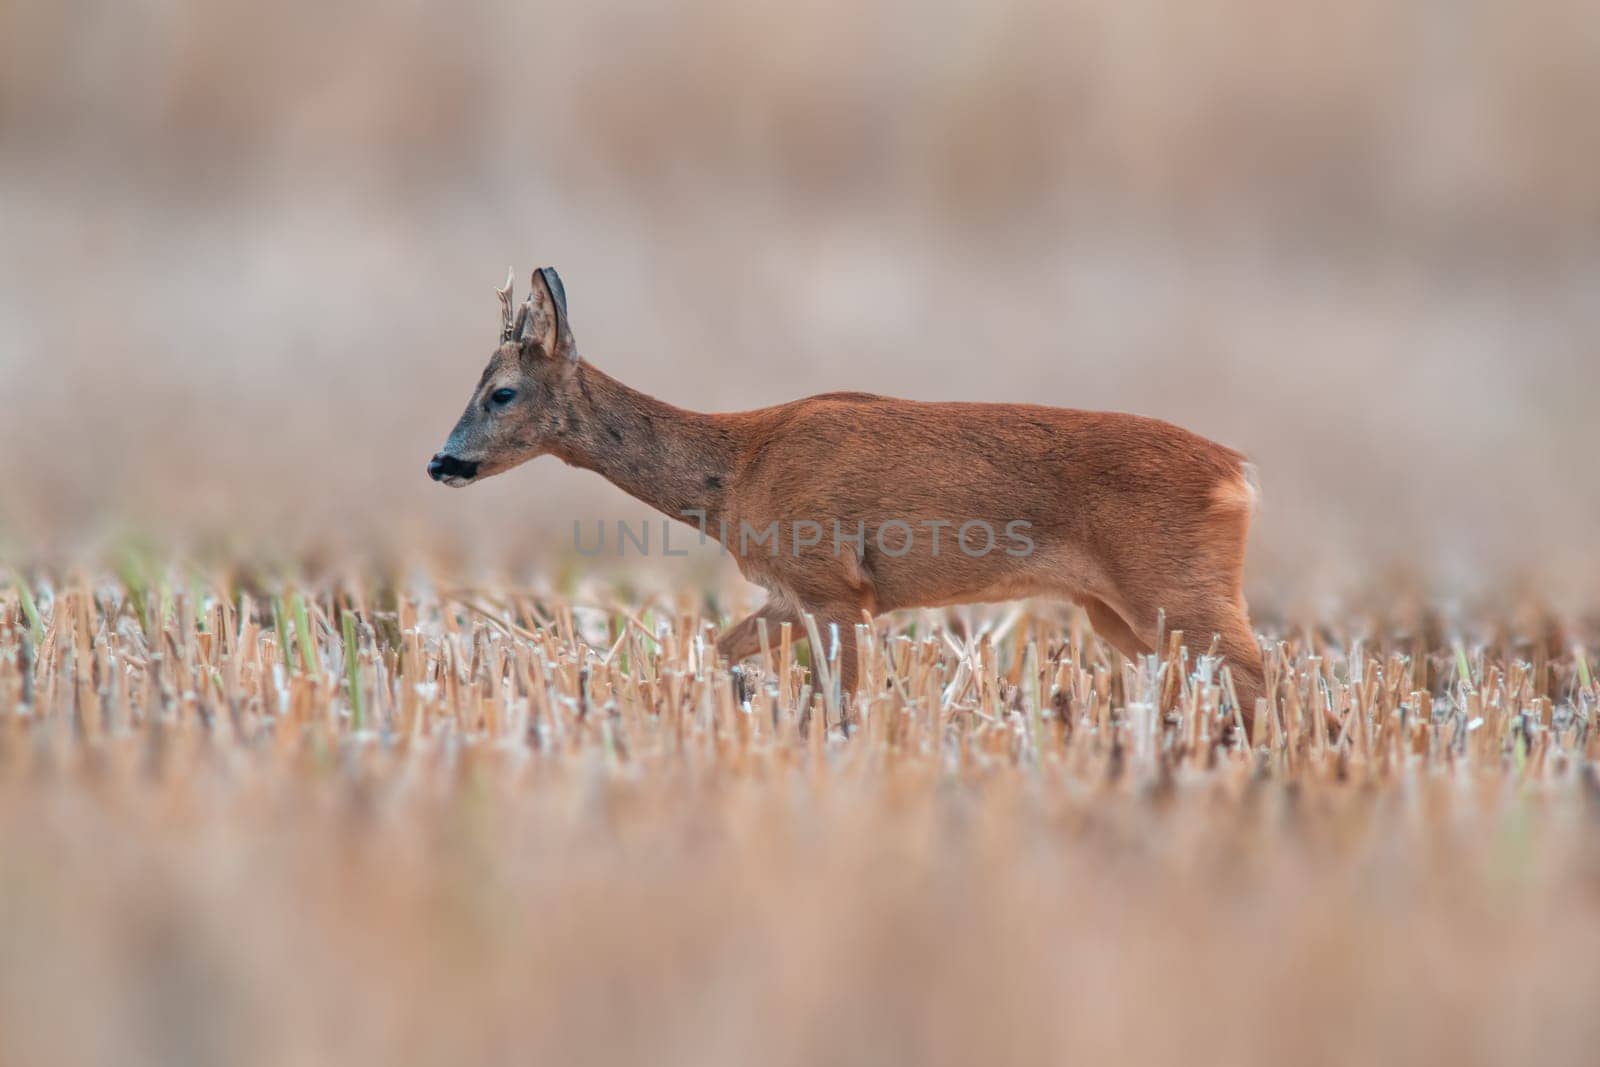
372	820
305	760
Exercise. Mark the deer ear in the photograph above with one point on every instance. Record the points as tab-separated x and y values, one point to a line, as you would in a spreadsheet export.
558	292
545	322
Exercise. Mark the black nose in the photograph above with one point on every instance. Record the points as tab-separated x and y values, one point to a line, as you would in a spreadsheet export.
443	466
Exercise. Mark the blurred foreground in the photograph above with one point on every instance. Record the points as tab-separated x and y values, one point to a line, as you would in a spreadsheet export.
363	820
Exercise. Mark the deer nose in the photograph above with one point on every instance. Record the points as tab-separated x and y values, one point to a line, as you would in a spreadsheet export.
442	466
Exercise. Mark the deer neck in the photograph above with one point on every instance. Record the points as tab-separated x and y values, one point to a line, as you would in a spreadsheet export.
677	461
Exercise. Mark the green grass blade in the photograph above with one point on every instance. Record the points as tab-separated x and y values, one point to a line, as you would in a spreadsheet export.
352	670
302	626
31	610
280	623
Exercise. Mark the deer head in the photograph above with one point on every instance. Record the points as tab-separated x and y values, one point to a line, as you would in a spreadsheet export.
524	395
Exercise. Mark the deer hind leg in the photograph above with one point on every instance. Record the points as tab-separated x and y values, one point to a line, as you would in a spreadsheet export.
1229	624
1205	599
1220	618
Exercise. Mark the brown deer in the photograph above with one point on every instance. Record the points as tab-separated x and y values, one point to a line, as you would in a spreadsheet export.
848	503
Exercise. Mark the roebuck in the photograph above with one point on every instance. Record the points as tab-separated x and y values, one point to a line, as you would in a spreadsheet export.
848	503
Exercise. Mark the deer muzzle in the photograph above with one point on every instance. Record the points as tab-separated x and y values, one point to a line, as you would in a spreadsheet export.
451	471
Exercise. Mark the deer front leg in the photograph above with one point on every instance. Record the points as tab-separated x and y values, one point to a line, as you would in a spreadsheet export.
743	640
838	628
1111	628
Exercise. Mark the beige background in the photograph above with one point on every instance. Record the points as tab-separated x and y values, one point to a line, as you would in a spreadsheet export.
247	259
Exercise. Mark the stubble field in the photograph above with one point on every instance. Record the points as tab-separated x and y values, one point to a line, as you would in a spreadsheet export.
425	789
354	817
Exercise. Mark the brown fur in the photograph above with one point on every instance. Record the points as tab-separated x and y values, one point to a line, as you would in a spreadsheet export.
1129	516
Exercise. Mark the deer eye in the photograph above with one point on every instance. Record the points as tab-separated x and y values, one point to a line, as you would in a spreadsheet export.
502	397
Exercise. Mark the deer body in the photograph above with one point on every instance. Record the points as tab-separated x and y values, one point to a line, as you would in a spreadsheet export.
847	503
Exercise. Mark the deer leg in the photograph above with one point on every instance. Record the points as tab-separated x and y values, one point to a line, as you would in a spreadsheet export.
743	639
837	629
1226	621
1112	629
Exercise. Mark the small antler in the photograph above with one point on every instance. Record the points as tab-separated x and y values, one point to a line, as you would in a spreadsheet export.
507	323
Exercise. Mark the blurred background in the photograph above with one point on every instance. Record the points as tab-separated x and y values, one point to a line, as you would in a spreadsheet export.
248	250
